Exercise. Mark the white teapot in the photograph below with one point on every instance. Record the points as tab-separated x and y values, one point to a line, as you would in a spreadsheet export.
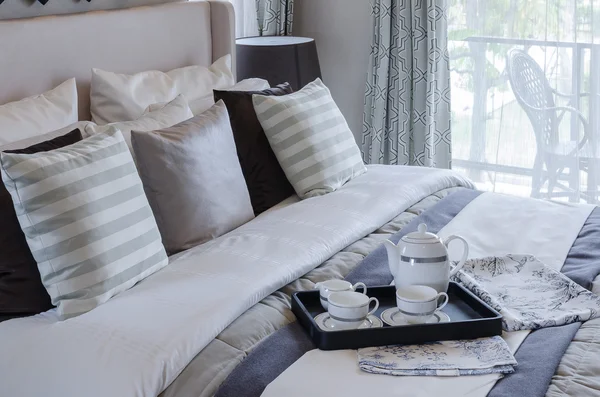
421	258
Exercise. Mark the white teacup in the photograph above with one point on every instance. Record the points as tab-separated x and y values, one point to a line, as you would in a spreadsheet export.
328	287
418	302
348	310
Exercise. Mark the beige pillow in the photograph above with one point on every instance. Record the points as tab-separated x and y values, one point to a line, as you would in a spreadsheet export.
120	97
193	179
204	103
168	115
40	114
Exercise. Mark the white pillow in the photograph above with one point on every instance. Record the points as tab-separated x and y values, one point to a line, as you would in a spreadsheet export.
201	105
39	114
121	97
168	115
252	84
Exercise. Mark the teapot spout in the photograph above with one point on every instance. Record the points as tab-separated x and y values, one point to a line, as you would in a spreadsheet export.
392	253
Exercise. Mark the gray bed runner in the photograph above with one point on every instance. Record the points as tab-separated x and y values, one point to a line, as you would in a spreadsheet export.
534	372
533	375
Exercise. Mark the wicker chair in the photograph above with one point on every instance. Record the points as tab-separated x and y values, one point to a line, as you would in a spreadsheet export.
537	98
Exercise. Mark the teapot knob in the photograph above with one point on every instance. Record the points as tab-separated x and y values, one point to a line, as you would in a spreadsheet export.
422	228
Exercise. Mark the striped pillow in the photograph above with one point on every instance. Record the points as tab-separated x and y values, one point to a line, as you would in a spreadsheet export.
86	220
310	138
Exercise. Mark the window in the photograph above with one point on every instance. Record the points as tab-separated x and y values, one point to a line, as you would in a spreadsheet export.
525	107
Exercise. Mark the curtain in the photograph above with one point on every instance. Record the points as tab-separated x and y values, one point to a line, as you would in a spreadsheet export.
525	96
407	102
275	17
246	19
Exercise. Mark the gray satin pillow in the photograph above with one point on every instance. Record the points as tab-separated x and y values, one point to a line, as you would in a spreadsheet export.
193	179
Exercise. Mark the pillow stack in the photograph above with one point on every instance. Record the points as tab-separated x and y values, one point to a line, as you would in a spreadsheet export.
81	222
77	225
35	124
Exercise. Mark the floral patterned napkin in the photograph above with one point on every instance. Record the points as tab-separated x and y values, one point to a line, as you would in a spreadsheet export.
450	358
528	294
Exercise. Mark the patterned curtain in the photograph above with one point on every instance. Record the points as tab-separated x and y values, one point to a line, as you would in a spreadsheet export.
407	102
275	17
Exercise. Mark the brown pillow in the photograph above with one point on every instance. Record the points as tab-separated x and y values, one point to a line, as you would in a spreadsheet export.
21	290
266	181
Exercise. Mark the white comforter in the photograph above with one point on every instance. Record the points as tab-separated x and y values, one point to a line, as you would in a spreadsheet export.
137	343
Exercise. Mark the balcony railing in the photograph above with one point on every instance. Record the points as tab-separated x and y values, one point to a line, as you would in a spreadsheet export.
584	77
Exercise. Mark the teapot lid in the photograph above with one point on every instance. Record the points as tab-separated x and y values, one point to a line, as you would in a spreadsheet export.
421	236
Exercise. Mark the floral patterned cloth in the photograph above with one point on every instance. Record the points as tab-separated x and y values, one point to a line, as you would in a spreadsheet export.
449	358
528	294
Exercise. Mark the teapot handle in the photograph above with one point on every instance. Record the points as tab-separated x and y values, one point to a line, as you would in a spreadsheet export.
465	255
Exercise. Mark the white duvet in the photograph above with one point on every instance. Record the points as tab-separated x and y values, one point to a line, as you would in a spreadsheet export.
137	343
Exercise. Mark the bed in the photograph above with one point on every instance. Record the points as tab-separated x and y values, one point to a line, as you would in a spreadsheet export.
189	329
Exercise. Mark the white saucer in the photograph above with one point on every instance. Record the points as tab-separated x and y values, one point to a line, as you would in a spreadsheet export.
394	317
324	322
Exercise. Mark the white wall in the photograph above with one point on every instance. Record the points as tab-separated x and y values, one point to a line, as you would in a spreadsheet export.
342	30
28	8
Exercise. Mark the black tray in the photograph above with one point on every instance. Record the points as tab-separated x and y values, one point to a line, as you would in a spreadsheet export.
470	318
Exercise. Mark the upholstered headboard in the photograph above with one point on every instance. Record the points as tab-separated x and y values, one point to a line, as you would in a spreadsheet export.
36	54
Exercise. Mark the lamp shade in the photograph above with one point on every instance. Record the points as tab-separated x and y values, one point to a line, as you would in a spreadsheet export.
278	59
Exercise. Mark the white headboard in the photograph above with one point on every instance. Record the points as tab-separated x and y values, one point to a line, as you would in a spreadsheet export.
37	54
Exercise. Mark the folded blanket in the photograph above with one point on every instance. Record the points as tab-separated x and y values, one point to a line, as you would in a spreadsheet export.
528	294
449	358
